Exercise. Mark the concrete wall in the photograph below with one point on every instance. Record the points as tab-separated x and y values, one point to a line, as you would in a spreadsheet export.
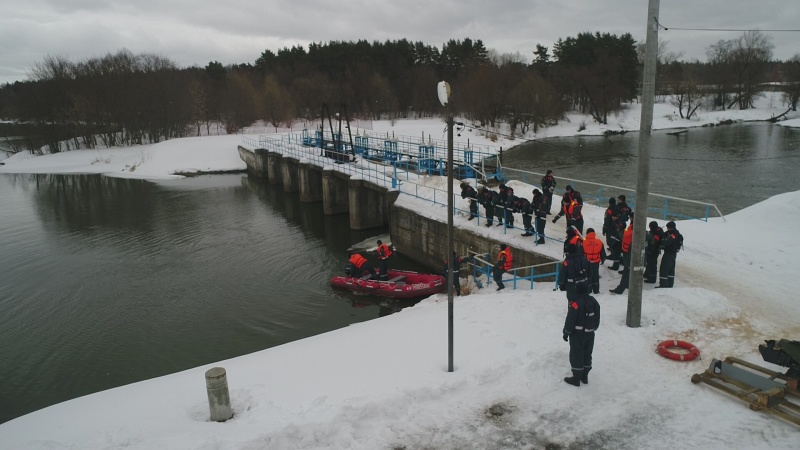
424	240
335	192
290	171
274	168
310	183
369	204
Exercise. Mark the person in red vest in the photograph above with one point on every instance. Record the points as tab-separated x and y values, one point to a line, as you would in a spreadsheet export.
384	252
504	262
571	206
361	265
627	240
595	252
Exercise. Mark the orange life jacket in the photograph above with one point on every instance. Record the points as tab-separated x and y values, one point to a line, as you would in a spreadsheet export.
627	239
592	248
384	251
357	260
509	258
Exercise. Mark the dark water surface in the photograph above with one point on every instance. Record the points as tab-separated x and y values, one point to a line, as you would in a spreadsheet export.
105	282
732	166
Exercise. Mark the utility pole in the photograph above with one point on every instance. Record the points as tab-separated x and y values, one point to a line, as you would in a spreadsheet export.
636	280
443	90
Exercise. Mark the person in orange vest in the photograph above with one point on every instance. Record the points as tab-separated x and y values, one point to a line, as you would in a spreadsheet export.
361	265
595	252
384	252
574	238
571	206
627	240
504	261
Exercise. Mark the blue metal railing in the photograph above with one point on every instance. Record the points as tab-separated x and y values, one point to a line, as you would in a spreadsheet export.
673	207
481	266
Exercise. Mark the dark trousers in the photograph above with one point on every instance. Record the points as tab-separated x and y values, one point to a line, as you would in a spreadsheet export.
549	198
594	276
366	267
540	224
614	247
626	272
581	345
489	213
526	222
509	217
577	223
383	267
497	274
473	209
667	274
650	267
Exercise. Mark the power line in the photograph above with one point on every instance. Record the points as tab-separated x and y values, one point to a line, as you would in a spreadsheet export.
724	29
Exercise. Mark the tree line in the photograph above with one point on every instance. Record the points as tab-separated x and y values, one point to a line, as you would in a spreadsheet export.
124	99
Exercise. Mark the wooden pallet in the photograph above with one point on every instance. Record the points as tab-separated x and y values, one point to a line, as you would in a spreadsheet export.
763	389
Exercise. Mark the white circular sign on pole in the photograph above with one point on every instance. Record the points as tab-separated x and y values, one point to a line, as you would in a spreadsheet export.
443	89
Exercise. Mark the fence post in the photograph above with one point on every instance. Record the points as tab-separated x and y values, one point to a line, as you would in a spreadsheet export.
219	400
666	207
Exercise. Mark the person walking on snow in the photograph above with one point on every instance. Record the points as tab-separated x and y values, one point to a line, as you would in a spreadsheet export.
548	185
583	319
540	210
627	240
595	253
573	272
504	261
673	242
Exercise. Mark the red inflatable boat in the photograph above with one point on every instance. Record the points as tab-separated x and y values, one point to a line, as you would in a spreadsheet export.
401	284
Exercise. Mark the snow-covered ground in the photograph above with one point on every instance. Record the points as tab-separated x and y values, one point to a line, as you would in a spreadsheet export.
384	384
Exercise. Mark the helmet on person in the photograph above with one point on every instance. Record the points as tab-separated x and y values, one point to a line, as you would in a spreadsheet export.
653	225
621	197
569	187
671	224
380	242
612	201
536	191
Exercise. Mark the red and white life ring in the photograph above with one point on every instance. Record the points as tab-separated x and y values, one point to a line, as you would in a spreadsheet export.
664	350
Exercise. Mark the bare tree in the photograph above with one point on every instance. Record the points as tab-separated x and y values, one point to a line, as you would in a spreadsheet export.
687	93
791	70
750	56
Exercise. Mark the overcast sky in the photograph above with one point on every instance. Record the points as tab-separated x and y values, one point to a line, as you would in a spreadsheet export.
237	31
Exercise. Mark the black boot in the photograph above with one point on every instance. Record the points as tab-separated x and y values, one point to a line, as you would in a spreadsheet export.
574	380
540	241
585	376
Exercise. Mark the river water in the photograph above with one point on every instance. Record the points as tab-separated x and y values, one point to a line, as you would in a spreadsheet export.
732	166
105	281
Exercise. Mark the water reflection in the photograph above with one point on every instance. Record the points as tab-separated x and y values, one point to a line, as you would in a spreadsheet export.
111	281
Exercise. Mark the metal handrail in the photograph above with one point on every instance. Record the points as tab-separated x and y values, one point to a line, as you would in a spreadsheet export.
632	199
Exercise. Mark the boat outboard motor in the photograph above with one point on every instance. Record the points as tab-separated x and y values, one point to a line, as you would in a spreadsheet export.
784	353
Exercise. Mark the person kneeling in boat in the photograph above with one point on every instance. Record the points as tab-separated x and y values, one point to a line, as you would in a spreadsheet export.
361	265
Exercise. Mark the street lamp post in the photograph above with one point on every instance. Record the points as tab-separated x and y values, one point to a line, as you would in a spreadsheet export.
443	90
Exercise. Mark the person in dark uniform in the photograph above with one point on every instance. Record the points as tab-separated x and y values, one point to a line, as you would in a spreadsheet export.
504	261
573	272
540	209
548	185
456	271
469	192
651	251
673	242
361	265
384	252
627	241
485	199
613	240
499	207
583	319
522	205
507	198
574	238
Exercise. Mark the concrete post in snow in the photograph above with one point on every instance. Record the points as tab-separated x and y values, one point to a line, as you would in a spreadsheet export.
219	400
